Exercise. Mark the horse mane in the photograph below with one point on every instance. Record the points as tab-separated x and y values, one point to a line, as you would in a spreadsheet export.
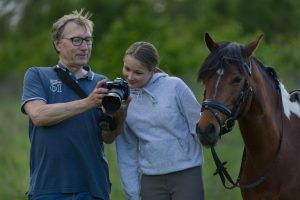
269	71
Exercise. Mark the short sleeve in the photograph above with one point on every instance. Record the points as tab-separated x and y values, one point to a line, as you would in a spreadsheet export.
32	87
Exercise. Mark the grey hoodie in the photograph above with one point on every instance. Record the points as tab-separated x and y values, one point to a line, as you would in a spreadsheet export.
159	136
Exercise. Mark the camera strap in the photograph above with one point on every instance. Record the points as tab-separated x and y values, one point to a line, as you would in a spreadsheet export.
65	78
71	83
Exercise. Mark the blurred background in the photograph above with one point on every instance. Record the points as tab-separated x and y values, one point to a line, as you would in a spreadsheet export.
175	27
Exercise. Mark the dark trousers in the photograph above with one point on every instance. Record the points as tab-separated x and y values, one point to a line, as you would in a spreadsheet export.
182	185
62	196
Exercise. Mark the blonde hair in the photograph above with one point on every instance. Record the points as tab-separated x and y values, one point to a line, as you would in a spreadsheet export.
146	53
78	17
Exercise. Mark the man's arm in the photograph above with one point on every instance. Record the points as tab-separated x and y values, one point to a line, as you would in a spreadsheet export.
43	114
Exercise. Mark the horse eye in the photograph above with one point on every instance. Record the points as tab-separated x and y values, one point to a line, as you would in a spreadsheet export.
236	80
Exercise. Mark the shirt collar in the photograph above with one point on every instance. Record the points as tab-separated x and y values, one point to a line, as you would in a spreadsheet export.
89	75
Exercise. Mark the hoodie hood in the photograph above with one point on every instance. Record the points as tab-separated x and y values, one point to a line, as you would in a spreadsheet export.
148	88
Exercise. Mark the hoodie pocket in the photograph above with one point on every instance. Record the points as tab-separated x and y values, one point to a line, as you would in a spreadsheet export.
162	156
189	144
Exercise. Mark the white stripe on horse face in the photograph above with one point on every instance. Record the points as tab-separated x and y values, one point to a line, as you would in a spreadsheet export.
220	72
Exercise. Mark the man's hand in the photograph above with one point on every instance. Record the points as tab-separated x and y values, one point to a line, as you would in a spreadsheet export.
96	97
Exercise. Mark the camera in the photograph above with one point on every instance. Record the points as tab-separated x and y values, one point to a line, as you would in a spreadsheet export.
118	90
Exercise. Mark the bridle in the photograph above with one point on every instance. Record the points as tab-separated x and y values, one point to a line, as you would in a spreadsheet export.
231	116
212	105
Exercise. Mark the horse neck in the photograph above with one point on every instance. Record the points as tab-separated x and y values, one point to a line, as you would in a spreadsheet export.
261	125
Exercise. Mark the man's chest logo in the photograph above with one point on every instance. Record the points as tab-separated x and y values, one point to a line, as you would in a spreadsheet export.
55	86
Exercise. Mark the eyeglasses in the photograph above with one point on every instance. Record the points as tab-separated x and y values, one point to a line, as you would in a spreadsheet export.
77	41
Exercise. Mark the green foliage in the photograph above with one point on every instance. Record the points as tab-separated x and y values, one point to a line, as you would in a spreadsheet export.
175	27
269	15
18	54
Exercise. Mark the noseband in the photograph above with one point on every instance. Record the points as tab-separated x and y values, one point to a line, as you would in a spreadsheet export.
212	105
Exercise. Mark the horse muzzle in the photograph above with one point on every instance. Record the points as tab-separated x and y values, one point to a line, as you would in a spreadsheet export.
208	133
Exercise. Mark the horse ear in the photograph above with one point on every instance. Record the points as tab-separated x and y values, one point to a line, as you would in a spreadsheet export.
211	45
249	48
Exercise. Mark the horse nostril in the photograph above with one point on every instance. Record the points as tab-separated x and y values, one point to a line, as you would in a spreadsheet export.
210	129
207	134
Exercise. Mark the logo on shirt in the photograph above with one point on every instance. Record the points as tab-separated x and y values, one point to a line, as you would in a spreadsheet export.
55	85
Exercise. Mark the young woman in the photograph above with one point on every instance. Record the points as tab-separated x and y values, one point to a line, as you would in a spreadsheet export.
159	155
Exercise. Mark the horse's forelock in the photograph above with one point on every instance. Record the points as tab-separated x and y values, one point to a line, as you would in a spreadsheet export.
209	66
212	63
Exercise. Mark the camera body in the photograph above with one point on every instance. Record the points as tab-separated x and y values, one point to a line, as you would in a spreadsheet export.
118	91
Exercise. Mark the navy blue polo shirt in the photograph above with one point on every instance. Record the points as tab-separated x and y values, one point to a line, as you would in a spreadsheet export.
67	157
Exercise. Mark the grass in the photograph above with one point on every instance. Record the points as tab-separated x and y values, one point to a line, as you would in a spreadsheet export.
230	149
14	151
14	156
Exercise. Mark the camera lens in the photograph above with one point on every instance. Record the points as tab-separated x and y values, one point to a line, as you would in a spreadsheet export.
118	91
112	102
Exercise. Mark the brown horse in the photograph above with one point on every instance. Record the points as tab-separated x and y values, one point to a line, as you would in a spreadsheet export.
239	87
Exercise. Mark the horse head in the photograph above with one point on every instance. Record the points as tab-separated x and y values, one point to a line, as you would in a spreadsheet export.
226	74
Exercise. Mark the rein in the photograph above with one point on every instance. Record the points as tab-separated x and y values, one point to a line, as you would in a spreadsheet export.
210	105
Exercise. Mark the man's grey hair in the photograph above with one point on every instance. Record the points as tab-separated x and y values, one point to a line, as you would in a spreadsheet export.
81	18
